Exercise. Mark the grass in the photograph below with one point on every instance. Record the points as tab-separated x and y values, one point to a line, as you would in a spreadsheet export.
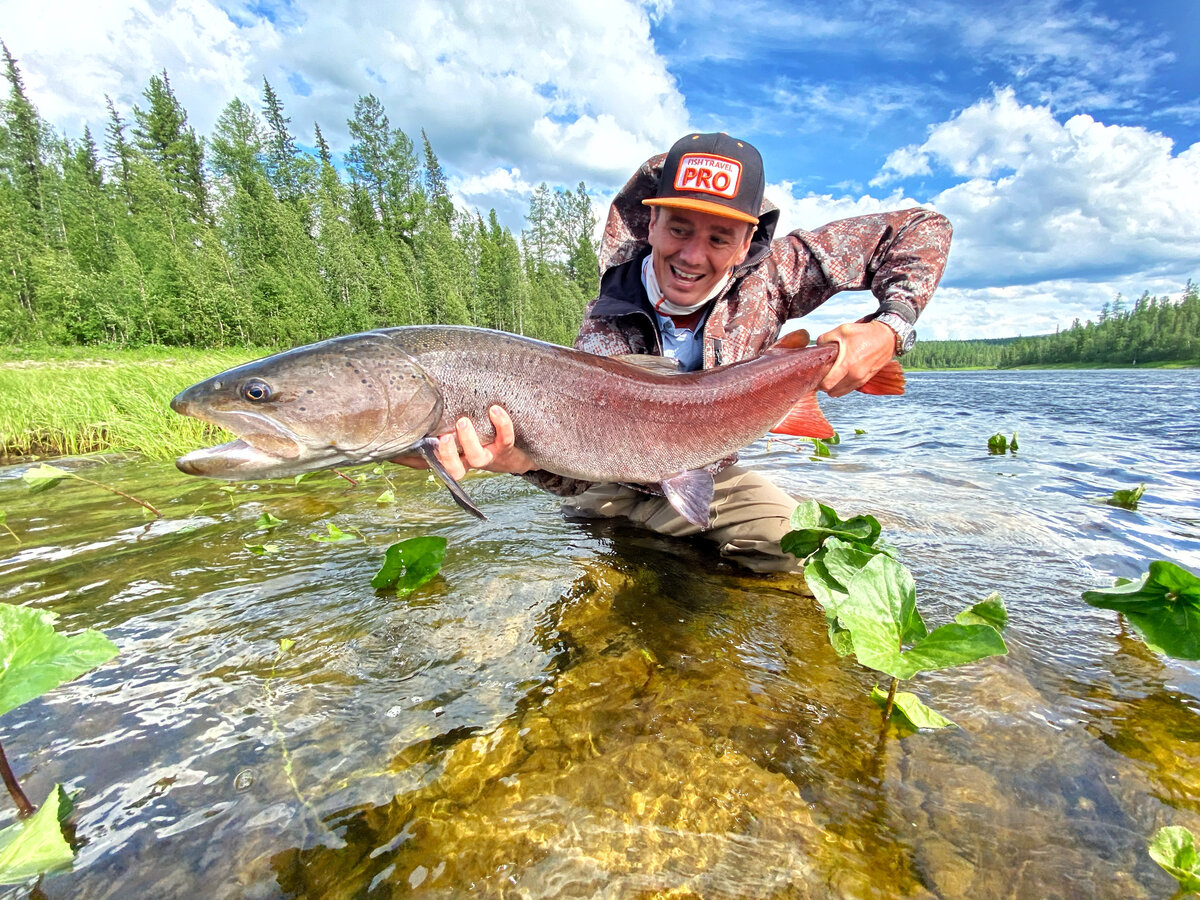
69	401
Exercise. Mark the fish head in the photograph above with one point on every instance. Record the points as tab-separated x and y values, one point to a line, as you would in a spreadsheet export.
338	402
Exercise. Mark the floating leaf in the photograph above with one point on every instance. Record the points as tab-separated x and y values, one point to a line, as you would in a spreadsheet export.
997	443
334	535
860	431
34	658
286	644
1174	848
989	611
814	522
821	449
409	564
262	549
303	476
43	476
1127	499
266	520
36	846
388	496
910	711
1012	445
1163	607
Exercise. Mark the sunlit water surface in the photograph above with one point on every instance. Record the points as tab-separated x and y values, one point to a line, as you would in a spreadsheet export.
573	711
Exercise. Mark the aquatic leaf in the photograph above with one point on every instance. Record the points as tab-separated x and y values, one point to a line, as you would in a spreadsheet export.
43	476
1012	445
262	549
834	440
4	525
1163	607
988	611
1127	499
36	845
813	522
997	443
229	489
388	496
266	520
860	431
334	535
286	644
34	658
820	449
880	613
1174	848
303	476
409	564
910	711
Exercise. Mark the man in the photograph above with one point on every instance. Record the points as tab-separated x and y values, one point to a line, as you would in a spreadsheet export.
690	270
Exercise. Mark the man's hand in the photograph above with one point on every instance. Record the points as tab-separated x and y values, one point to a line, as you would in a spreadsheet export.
863	349
460	449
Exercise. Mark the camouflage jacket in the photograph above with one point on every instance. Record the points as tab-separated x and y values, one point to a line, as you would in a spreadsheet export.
898	256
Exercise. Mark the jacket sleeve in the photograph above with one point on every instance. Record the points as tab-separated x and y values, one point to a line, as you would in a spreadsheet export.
898	256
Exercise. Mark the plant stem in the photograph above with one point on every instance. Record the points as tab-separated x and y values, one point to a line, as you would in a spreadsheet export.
344	475
24	807
10	531
887	709
114	490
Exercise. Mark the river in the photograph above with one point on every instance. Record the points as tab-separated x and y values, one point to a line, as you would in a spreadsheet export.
588	711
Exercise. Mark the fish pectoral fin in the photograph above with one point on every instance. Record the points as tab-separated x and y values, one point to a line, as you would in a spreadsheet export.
888	381
427	447
690	493
805	419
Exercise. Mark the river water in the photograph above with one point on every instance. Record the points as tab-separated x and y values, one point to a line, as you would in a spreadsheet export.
588	711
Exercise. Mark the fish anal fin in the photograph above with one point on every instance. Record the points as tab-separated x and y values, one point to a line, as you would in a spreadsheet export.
690	493
888	381
805	419
427	447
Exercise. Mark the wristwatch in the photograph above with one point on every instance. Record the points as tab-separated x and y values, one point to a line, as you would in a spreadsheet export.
906	334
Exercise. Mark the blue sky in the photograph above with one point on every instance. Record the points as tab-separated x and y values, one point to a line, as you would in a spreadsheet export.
1062	138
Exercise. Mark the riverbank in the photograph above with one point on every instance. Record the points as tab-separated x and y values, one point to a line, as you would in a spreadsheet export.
68	401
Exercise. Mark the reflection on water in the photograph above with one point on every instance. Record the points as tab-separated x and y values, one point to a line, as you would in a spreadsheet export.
575	711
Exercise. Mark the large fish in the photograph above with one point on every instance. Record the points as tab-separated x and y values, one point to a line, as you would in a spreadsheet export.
387	393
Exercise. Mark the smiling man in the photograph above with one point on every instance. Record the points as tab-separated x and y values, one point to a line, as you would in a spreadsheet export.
691	270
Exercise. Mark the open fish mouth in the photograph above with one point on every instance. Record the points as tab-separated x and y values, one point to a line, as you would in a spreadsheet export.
263	447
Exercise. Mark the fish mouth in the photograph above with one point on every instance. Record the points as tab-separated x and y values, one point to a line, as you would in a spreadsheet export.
263	447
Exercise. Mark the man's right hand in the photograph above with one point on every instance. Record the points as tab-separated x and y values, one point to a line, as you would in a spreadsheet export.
461	449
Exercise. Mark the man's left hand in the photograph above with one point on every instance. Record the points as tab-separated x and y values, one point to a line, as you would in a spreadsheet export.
863	349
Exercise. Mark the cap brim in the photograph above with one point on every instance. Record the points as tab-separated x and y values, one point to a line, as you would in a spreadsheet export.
704	206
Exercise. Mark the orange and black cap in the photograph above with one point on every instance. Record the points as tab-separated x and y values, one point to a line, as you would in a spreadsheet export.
712	173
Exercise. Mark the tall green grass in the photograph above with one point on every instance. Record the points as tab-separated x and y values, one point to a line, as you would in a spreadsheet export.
54	403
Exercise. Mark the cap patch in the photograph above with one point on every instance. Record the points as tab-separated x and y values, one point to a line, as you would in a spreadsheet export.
708	174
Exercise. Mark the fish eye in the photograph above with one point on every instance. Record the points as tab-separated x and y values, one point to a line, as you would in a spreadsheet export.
257	391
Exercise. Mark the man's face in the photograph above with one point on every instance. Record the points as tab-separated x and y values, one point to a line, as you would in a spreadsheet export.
693	251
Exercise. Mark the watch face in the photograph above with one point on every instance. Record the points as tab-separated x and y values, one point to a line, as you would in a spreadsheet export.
909	341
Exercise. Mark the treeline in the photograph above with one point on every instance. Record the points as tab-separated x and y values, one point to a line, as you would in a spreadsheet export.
152	234
1152	329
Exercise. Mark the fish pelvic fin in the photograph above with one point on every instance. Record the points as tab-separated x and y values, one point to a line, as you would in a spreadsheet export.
427	447
887	381
690	493
805	419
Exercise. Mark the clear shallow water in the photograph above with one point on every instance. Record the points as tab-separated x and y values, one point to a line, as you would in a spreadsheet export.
577	712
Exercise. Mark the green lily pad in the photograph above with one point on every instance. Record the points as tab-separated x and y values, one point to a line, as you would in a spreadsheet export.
34	658
910	712
36	845
1163	607
409	564
1174	848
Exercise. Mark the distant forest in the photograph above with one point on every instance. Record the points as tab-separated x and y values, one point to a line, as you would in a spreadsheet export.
151	234
1151	330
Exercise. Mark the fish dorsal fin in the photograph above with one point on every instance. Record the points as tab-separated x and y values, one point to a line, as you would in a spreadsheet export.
793	340
690	493
887	381
805	419
663	365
